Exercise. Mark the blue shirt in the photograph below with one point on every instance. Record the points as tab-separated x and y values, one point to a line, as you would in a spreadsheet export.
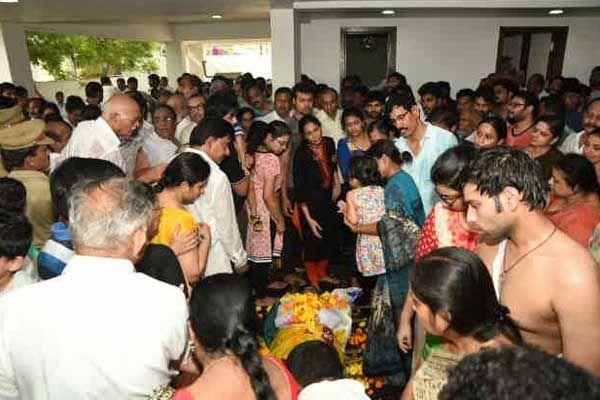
402	193
57	252
346	150
433	144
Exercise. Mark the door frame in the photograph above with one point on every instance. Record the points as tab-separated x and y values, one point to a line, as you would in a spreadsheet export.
354	31
559	44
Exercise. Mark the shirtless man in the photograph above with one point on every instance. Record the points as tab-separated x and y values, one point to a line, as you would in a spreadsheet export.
548	281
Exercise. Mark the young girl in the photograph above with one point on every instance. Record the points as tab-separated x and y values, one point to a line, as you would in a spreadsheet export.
365	205
182	183
265	145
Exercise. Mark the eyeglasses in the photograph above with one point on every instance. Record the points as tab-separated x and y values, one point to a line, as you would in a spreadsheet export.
515	105
400	117
448	198
167	119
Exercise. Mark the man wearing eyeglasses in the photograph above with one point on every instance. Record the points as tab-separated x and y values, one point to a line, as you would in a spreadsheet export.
523	109
424	141
103	138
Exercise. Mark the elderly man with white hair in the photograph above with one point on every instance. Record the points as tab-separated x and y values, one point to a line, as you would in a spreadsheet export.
100	330
105	137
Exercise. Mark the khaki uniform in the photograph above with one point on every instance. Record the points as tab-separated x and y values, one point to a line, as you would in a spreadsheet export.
39	209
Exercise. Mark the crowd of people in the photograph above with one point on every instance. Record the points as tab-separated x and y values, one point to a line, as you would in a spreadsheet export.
139	231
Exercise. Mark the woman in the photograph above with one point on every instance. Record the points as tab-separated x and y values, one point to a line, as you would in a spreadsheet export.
546	134
575	204
445	226
454	297
160	145
591	149
223	327
491	132
356	143
265	145
381	129
182	183
316	187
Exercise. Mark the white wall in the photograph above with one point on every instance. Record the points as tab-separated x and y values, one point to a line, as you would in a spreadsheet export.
457	50
222	30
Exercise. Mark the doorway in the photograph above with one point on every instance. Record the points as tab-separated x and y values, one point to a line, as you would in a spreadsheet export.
369	53
532	50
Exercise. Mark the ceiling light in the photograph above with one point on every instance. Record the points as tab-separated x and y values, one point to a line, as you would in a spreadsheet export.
557	11
9	1
216	16
388	12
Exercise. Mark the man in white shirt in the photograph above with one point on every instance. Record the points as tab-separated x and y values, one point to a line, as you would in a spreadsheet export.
330	116
104	137
100	330
107	88
591	120
216	208
196	109
179	103
282	106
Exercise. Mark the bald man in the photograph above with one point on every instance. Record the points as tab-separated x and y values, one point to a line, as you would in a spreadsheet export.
179	103
103	138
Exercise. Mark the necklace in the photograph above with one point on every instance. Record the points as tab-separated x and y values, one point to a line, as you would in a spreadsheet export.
515	133
528	252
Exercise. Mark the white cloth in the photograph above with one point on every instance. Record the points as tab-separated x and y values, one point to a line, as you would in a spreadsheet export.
186	133
107	93
273	116
157	149
98	331
94	139
182	126
332	127
347	389
497	266
571	144
215	208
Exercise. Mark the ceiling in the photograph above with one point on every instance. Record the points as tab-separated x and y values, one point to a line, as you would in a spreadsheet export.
180	11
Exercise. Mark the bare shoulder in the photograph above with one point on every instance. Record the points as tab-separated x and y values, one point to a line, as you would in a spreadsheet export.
571	265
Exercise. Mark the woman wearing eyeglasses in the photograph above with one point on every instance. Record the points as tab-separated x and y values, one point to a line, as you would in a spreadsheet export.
445	226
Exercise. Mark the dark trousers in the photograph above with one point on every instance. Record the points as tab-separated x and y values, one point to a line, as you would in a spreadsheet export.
258	276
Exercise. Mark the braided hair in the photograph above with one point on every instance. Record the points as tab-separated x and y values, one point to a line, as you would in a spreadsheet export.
455	281
223	318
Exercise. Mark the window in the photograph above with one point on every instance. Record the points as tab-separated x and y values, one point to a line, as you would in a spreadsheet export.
532	50
229	58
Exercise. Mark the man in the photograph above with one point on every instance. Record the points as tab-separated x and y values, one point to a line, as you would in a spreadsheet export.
107	89
523	109
484	101
360	96
99	330
465	100
60	132
394	80
374	106
467	125
536	84
591	120
430	98
104	137
255	96
446	119
504	90
573	99
424	142
189	85
132	84
93	93
330	115
211	139
121	86
196	114
179	103
24	150
74	107
164	84
60	102
549	282
8	89
34	107
282	106
16	235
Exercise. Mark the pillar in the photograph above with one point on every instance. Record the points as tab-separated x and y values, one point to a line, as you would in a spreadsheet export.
14	58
